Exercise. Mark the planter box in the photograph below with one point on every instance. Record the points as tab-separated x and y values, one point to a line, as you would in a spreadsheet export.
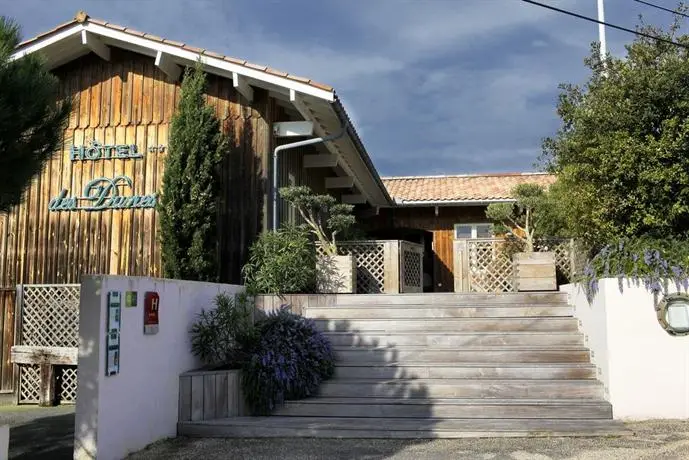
208	395
534	271
336	274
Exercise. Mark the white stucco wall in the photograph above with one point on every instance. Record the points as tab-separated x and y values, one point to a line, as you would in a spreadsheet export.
645	370
123	413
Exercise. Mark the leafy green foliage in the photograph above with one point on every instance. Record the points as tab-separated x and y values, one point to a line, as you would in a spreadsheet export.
525	214
289	361
281	262
32	119
324	216
644	260
188	207
622	152
222	336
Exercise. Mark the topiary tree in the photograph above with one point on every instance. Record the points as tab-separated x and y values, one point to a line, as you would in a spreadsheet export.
189	199
32	120
524	214
324	216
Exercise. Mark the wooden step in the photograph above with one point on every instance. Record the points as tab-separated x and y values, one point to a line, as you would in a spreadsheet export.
332	427
494	325
451	340
466	371
377	356
448	408
462	388
437	311
451	298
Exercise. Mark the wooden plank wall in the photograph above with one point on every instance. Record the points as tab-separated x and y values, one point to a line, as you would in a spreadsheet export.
7	311
442	227
129	101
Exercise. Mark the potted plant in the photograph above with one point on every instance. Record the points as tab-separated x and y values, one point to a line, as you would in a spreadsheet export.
533	271
325	218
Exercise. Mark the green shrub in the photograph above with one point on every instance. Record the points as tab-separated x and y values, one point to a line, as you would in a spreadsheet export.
281	262
289	361
221	337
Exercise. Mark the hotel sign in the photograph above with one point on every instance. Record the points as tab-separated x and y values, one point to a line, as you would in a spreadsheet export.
104	193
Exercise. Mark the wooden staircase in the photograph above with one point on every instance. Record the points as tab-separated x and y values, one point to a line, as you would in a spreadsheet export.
444	366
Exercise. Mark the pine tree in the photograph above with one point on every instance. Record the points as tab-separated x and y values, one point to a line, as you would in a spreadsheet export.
189	201
32	120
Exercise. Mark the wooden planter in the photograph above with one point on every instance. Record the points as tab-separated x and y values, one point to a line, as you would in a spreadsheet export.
336	274
534	271
208	395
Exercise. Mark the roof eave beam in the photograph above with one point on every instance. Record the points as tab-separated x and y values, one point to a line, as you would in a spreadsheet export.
93	43
241	85
339	182
165	63
320	161
354	199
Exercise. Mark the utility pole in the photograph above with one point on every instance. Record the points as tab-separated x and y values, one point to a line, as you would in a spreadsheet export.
601	31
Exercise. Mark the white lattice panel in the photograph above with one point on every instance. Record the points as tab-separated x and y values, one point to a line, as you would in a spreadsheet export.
68	384
50	315
29	383
490	261
370	265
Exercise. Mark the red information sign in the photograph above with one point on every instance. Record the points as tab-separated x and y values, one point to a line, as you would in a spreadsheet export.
151	305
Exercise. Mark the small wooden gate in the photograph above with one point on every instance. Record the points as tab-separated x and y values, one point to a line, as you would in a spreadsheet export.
47	321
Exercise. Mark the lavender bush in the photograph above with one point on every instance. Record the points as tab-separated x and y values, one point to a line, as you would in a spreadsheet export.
650	262
289	361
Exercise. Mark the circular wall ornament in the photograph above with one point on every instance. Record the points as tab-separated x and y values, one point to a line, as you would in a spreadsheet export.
673	314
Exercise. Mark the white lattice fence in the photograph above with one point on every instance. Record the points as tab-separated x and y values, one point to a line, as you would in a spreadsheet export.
370	264
49	317
490	261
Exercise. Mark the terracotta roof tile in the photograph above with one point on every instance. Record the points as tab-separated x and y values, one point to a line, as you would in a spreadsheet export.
134	32
193	49
85	18
256	66
478	187
153	37
299	79
213	54
172	42
116	27
279	73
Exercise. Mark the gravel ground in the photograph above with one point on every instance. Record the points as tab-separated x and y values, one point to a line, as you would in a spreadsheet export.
656	440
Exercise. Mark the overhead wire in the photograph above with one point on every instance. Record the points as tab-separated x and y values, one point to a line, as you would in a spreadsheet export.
607	24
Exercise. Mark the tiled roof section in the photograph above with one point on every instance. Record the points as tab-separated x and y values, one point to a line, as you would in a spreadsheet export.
480	187
81	17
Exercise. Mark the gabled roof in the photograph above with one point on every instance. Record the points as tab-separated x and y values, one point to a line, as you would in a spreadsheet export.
314	101
460	189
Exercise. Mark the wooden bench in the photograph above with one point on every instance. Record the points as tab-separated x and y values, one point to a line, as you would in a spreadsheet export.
47	358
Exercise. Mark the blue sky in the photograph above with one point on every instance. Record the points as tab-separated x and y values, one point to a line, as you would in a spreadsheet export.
433	86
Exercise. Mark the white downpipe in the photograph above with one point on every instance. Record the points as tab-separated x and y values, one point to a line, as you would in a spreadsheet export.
280	148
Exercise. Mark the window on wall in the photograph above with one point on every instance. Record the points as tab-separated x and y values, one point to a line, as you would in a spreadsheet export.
472	231
292	211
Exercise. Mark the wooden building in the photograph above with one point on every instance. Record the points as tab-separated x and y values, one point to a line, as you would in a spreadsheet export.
437	210
91	210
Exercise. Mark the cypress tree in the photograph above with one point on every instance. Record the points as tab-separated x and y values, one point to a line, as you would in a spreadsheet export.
191	184
32	119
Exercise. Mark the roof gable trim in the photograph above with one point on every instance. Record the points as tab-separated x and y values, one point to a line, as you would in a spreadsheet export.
226	68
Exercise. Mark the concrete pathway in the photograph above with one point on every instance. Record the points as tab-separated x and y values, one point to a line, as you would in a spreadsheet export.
658	440
39	433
